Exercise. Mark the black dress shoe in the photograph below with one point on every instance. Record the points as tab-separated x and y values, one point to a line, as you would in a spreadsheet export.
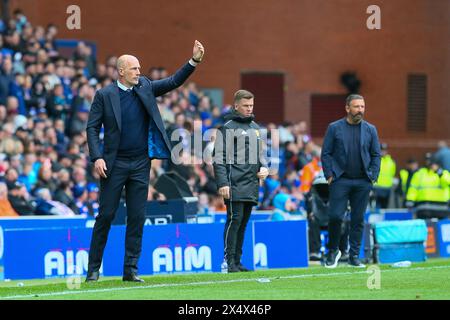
132	278
242	268
92	276
233	268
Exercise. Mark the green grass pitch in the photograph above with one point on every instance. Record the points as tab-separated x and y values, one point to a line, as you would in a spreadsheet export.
427	280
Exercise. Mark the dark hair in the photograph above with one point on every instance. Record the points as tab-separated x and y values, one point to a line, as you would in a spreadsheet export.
353	97
17	11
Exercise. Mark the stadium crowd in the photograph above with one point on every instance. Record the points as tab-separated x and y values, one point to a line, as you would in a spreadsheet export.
44	106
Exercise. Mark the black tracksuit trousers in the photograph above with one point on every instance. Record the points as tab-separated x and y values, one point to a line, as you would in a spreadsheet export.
238	214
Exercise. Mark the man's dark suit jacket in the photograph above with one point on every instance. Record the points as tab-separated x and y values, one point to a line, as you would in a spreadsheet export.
334	150
105	110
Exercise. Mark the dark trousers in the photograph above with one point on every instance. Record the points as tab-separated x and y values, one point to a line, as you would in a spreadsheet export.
238	214
314	236
429	214
341	191
133	174
382	197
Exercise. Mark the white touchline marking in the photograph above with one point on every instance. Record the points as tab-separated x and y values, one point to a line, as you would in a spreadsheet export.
162	285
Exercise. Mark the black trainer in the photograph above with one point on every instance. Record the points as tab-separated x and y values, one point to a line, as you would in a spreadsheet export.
332	259
315	256
344	257
355	262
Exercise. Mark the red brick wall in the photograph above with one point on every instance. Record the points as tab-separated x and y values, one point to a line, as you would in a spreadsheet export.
311	41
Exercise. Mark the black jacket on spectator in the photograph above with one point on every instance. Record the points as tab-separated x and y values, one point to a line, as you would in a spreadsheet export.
22	206
67	199
51	184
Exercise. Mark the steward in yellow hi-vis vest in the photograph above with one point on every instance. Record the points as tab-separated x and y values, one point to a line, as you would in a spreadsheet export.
405	175
412	166
429	191
383	185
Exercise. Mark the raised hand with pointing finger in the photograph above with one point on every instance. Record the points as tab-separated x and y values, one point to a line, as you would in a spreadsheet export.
198	52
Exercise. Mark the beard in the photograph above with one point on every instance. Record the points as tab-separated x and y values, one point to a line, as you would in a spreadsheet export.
356	118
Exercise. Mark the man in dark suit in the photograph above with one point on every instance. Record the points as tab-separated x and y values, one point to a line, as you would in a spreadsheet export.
351	164
134	134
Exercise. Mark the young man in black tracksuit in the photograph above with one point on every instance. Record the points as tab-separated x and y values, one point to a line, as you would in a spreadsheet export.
238	166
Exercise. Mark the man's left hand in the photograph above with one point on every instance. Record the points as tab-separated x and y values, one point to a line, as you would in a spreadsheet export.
263	173
198	51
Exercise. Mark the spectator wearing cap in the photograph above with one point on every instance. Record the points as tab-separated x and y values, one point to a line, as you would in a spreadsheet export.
19	198
65	161
42	115
22	135
6	209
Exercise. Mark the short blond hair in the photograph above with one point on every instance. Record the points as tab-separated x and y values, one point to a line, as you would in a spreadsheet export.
242	94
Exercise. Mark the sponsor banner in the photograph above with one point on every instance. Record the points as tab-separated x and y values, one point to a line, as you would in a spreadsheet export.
171	248
280	244
39	222
443	228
